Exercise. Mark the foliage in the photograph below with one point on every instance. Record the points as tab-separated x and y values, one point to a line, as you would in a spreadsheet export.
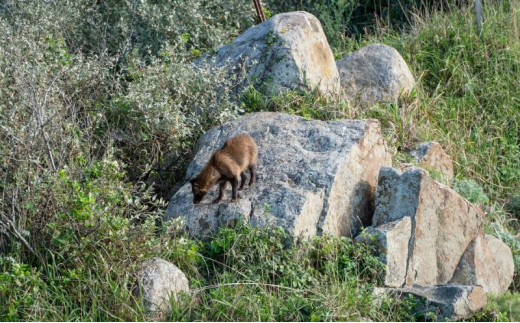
167	104
264	274
470	190
466	98
513	206
507	304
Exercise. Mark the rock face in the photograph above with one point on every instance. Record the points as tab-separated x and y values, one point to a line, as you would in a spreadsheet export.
288	51
487	262
453	302
443	224
392	239
431	156
375	73
429	235
312	176
159	280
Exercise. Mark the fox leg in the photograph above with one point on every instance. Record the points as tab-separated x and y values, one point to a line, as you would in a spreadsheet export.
252	170
234	185
221	191
243	181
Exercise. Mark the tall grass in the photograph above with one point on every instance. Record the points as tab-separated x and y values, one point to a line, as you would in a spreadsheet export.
468	93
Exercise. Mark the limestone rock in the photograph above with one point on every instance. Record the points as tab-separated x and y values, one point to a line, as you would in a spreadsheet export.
392	240
158	280
431	156
287	52
313	176
453	302
442	223
487	262
375	73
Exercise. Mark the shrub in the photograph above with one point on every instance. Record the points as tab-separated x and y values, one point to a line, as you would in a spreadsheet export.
157	119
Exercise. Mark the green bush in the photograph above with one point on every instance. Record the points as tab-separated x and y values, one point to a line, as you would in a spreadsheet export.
470	190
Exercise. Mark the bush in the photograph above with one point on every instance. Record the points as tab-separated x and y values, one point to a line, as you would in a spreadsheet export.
157	118
470	190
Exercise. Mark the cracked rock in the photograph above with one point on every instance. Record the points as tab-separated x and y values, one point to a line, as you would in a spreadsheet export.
443	223
313	176
487	262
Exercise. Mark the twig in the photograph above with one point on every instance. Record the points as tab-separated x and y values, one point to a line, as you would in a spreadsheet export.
259	11
9	227
478	16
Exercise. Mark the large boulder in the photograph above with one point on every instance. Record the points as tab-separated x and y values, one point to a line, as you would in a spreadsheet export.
374	74
313	176
443	224
158	281
287	52
443	302
431	156
487	262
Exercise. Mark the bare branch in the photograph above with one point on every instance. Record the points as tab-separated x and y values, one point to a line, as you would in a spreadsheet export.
7	225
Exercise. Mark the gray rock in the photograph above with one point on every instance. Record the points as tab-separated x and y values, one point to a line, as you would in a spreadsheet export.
487	262
375	73
287	52
313	176
452	302
392	240
158	280
431	156
442	223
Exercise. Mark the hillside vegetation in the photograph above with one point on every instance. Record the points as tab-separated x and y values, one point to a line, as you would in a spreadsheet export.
100	112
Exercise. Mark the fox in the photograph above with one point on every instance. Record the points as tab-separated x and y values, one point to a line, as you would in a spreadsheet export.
228	164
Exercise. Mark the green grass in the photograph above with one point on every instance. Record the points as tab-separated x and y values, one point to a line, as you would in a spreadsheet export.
468	95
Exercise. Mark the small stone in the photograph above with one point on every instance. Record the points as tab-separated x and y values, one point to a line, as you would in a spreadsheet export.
158	280
431	156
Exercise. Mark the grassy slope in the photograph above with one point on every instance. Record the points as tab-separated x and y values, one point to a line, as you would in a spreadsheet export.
467	98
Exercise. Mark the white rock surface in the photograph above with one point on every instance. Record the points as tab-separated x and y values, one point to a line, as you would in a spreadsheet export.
392	240
443	302
287	52
431	156
487	262
443	223
313	176
158	280
375	73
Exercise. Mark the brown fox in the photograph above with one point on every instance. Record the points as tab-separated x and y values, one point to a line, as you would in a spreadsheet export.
229	163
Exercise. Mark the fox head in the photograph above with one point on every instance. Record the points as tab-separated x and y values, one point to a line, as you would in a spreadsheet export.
198	192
